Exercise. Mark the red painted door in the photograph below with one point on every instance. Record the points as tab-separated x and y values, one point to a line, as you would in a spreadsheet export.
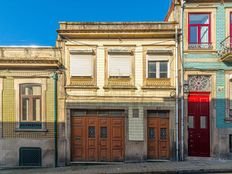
198	125
230	31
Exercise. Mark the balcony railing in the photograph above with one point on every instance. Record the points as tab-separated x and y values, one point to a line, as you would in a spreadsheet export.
225	51
197	46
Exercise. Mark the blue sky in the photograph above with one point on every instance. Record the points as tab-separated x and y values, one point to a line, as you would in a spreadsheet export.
34	22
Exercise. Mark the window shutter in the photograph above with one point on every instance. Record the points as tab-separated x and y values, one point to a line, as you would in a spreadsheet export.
120	66
81	65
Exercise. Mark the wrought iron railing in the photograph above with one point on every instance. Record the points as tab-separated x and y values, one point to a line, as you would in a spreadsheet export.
226	46
197	46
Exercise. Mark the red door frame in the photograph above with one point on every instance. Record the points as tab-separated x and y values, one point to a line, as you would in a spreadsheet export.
230	22
195	134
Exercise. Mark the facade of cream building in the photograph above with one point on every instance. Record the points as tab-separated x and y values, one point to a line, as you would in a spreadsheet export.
119	90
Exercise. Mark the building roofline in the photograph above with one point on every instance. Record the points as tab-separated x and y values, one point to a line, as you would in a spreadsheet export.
114	23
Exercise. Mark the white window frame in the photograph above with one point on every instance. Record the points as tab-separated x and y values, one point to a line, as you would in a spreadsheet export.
157	59
43	83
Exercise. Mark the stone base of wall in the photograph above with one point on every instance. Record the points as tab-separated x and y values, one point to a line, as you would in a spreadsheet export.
9	150
223	144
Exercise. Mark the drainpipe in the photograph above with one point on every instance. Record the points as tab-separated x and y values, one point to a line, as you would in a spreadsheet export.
177	85
182	80
55	78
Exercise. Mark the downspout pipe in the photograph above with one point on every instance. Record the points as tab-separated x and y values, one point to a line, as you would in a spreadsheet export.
182	80
55	78
177	84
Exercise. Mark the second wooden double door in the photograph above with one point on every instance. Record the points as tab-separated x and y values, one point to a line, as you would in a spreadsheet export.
158	136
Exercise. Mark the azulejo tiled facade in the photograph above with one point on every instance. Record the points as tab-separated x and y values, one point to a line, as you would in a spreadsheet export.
207	57
108	91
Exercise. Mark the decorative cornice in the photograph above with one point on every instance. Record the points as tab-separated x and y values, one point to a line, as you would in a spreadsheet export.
28	56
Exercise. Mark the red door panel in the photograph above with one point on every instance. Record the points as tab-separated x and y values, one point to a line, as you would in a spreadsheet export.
198	125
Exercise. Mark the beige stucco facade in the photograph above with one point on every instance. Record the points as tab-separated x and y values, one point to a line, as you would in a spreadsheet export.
137	92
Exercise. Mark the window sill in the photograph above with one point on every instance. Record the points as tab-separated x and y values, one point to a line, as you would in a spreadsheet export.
158	87
81	77
81	87
120	87
30	130
119	78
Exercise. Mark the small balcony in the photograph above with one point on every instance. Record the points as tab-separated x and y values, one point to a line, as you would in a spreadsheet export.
201	46
225	51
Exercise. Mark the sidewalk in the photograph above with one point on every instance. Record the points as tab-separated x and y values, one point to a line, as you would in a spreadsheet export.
211	166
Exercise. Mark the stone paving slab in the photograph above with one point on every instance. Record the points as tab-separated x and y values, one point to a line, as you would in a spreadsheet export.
212	166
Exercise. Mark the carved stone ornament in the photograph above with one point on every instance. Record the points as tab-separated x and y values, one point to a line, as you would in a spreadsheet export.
199	83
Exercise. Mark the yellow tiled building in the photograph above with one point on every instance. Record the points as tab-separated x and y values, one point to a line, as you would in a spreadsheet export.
27	105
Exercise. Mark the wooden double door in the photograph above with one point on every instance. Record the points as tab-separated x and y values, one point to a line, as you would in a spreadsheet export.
158	135
198	125
97	137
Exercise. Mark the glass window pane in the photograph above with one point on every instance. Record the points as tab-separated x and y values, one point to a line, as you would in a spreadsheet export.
151	66
36	109
151	75
199	19
163	133
151	133
91	132
36	90
191	121
204	34
25	109
193	34
152	69
163	75
27	90
163	66
163	69
203	122
103	132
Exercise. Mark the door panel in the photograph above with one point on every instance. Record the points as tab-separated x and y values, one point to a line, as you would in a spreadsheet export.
78	142
104	139
92	141
117	139
158	138
153	133
198	134
97	138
